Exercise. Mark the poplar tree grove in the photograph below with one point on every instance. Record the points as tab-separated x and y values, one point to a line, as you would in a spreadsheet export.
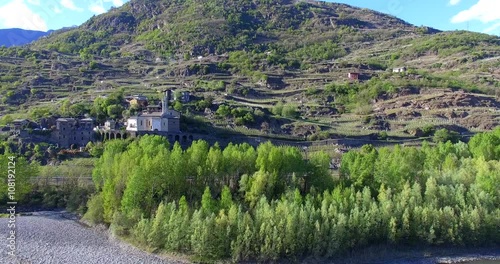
268	203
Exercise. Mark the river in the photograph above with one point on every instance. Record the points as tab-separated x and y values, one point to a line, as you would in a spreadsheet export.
53	238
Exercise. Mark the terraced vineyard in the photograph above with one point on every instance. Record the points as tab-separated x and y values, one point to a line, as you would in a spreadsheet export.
452	78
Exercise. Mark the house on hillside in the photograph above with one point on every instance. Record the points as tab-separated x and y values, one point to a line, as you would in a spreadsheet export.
353	76
400	69
110	125
184	97
139	101
20	123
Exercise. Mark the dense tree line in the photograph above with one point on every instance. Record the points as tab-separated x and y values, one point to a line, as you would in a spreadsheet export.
137	176
268	203
459	163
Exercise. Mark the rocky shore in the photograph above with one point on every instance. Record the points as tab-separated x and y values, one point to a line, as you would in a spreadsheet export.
55	237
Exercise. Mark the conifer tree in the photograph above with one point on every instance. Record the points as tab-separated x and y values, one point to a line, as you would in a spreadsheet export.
156	237
226	199
208	204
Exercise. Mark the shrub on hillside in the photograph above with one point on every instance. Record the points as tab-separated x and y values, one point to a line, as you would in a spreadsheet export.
444	135
95	212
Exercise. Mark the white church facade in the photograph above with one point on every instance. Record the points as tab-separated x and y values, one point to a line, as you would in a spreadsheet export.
165	121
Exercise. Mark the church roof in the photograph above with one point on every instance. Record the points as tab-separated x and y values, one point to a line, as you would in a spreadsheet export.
155	114
65	119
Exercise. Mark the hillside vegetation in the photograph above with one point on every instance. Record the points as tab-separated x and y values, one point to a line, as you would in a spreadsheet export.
271	69
271	203
254	56
171	28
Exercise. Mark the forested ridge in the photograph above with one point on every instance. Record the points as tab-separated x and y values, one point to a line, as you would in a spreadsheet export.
270	203
215	26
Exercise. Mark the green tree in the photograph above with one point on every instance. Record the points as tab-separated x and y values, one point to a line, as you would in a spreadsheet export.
320	176
223	110
178	106
290	111
379	198
95	211
486	145
215	165
226	200
208	204
65	107
93	65
6	119
78	109
15	182
156	236
278	109
114	111
443	135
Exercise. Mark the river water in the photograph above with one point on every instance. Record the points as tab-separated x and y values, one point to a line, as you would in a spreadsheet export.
53	238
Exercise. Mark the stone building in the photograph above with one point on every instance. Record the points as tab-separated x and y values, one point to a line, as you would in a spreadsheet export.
71	131
20	123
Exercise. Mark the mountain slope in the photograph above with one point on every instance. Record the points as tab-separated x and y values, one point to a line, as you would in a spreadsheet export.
263	55
217	26
18	37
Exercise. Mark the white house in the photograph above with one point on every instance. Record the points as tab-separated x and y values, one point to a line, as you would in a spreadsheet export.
400	69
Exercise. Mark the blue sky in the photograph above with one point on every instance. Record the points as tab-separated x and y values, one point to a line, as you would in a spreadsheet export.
475	15
51	14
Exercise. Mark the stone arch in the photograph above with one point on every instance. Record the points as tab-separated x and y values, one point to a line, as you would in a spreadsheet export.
177	138
118	135
190	138
125	136
184	138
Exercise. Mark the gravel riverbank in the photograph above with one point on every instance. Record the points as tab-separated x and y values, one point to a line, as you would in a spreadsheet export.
52	237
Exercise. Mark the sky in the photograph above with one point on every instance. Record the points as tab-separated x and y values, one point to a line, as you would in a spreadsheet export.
474	15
